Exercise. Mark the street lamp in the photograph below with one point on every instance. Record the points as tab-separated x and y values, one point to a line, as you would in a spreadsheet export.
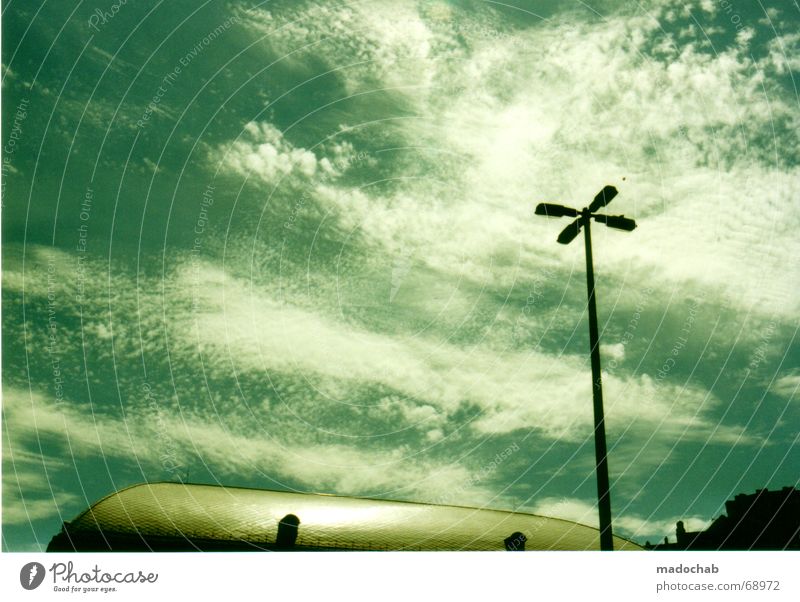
583	220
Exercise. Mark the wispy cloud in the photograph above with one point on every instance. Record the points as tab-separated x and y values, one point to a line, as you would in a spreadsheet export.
786	386
631	526
675	120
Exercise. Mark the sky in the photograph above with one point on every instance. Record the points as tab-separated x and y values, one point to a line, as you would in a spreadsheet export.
291	245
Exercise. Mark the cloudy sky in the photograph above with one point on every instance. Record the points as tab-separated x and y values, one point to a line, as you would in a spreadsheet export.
291	245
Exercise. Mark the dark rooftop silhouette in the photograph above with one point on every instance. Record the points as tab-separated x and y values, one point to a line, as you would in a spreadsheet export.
764	520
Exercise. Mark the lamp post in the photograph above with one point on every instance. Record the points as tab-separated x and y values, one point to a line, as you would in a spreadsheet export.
583	220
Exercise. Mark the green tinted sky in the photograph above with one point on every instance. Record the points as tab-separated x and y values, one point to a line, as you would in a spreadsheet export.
291	245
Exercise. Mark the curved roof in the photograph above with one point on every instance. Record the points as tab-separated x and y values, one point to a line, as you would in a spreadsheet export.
177	516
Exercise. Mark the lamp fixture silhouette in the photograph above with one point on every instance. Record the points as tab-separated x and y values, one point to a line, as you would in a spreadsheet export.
583	219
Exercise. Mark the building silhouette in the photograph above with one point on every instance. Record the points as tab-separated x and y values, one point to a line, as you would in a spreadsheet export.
764	520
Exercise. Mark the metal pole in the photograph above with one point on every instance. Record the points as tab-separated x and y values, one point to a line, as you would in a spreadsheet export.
603	494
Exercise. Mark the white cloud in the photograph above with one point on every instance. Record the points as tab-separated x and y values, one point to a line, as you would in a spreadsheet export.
262	152
631	526
555	111
514	389
420	415
225	449
21	510
385	39
744	35
615	352
786	386
31	417
708	6
28	495
784	54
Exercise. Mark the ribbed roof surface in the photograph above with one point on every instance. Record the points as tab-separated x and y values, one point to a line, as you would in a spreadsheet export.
204	513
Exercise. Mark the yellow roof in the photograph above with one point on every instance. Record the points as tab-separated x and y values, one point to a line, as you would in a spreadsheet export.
184	516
